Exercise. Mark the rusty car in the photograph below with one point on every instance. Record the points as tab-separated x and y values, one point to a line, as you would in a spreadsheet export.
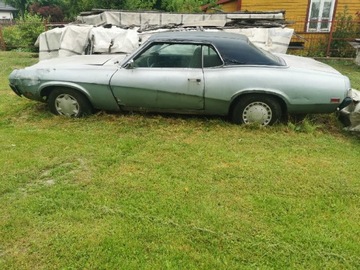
190	72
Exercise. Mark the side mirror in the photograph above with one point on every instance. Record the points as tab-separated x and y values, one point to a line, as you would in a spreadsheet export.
130	64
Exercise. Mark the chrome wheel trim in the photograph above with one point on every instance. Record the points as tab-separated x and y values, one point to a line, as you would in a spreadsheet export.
66	104
257	112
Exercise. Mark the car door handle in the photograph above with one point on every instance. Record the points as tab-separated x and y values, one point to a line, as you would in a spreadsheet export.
194	80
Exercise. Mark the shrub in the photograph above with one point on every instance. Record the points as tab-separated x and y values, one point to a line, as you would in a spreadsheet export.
345	29
22	36
53	12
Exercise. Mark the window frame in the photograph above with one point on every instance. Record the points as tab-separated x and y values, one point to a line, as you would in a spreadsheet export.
319	19
153	50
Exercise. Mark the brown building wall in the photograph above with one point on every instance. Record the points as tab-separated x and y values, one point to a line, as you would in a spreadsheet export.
296	12
293	8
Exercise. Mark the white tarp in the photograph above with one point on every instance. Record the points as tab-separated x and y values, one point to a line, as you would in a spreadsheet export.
352	112
49	43
113	40
123	31
270	39
142	19
75	39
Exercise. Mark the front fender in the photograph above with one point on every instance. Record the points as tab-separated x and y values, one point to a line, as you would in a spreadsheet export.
99	95
44	88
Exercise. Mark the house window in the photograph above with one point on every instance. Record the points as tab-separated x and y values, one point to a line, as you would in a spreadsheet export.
320	15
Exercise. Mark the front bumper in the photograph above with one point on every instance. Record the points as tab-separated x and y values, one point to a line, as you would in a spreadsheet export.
15	89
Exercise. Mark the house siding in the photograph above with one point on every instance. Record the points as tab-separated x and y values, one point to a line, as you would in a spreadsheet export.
353	6
296	10
229	7
293	8
5	15
296	13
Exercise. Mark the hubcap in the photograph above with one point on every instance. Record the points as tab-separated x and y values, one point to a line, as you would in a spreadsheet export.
67	105
257	112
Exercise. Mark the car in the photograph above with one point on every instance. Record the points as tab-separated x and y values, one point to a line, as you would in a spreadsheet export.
187	72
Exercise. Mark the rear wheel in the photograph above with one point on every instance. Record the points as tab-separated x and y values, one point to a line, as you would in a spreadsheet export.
260	109
68	102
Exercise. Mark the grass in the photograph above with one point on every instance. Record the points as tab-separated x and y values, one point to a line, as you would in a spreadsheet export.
137	191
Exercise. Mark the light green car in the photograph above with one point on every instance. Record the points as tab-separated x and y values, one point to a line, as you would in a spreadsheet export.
195	72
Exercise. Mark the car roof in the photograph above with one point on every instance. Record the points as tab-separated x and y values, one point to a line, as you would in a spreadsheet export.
200	36
235	49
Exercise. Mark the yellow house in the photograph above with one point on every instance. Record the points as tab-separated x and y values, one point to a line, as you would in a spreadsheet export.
311	19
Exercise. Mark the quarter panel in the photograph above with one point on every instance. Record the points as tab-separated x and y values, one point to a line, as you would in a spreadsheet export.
301	90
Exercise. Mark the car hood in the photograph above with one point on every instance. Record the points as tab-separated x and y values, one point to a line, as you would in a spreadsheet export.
71	61
306	63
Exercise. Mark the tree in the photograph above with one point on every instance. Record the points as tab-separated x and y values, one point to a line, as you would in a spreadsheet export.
19	4
72	8
139	4
53	13
183	5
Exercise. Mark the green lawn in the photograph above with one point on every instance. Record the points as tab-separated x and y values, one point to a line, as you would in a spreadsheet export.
137	191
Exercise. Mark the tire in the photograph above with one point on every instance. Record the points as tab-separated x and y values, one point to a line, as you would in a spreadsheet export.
261	109
68	102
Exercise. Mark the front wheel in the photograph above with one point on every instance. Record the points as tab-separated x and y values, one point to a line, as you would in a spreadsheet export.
260	109
69	102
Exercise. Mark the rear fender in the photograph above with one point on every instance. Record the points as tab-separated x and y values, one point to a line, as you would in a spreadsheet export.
265	92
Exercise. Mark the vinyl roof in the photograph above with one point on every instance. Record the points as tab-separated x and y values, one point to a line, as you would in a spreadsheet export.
200	36
235	49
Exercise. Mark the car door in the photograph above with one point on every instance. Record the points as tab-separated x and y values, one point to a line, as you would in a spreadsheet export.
165	76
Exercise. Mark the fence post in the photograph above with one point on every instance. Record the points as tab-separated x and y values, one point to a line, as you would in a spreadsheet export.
46	24
330	38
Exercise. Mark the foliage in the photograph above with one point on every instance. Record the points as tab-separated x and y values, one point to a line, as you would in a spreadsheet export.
56	9
345	28
318	47
23	35
183	5
139	5
52	13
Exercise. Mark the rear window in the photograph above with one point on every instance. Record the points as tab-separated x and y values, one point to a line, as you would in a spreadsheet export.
234	52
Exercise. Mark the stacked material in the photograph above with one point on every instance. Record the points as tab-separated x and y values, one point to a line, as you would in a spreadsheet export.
123	32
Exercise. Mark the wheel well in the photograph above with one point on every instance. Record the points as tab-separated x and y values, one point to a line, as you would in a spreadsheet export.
45	93
236	100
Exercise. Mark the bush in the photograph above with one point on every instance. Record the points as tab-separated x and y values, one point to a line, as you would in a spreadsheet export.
23	35
345	29
53	13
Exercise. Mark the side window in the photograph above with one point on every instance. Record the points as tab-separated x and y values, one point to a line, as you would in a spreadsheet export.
211	58
170	55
